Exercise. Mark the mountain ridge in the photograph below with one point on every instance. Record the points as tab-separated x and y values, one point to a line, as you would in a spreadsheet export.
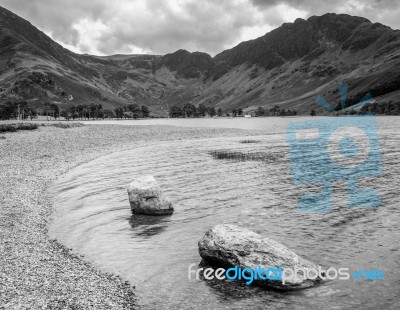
287	67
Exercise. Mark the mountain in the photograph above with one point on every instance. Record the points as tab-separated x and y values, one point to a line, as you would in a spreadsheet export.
294	63
288	67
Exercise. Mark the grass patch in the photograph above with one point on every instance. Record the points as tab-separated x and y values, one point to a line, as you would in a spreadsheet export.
63	125
250	141
242	156
12	127
17	126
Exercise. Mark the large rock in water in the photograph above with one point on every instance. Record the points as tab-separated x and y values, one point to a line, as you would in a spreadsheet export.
146	197
230	245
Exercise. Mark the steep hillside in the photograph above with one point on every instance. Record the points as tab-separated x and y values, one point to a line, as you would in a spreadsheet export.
293	64
288	67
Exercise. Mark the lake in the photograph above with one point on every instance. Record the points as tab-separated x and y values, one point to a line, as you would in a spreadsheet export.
255	191
255	123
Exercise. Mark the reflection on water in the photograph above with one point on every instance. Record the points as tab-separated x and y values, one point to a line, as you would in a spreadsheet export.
93	217
147	226
243	156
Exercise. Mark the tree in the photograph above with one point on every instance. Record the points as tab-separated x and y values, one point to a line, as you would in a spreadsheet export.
55	110
135	109
145	111
119	112
234	112
313	113
212	112
219	112
108	114
95	110
202	109
47	108
92	110
128	114
260	111
86	111
175	111
8	111
72	111
99	110
22	110
240	112
79	110
275	110
189	110
32	113
65	114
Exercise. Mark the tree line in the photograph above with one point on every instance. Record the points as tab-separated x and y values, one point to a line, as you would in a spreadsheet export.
23	110
386	108
17	110
378	90
189	110
275	111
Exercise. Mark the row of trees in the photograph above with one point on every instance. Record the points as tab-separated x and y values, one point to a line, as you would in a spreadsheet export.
96	111
189	110
391	84
274	111
237	112
386	108
22	110
132	111
17	110
81	111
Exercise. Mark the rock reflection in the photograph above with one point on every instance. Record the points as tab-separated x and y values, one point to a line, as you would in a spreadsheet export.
228	289
147	225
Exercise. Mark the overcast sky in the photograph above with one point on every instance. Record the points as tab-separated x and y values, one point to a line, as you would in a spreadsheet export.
105	27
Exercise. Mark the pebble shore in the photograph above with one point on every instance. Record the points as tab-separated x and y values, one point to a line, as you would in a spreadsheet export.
35	271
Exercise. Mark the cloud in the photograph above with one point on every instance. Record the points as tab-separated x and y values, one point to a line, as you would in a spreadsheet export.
383	11
163	26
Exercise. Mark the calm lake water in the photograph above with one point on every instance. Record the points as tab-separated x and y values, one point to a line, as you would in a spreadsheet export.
93	217
269	124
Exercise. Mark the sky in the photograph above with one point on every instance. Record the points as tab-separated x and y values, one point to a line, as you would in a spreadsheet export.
107	27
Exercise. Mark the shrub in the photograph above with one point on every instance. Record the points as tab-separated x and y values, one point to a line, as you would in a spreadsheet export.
17	126
250	141
243	156
65	125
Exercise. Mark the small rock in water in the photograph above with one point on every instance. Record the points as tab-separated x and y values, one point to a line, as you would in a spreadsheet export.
230	245
146	197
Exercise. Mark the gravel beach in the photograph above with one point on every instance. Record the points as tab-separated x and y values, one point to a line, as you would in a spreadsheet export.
35	271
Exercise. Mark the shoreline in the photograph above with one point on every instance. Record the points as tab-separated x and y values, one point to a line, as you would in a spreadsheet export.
35	271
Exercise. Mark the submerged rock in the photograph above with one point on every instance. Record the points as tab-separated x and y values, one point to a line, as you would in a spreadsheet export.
146	197
230	245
